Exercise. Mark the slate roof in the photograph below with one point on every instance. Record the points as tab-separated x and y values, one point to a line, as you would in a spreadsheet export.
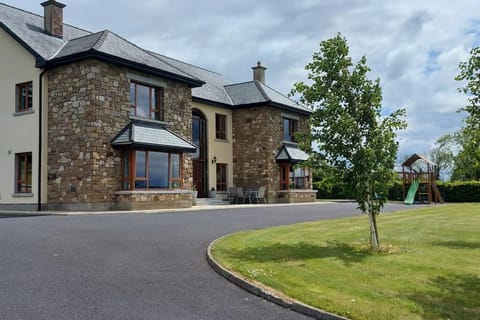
214	87
255	92
154	136
207	86
291	153
27	28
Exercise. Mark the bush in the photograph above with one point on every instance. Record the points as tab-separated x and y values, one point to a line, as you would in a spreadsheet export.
325	191
460	191
395	192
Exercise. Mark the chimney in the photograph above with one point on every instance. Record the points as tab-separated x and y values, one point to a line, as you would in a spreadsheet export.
259	72
53	17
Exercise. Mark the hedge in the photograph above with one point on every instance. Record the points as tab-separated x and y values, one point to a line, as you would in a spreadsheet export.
458	191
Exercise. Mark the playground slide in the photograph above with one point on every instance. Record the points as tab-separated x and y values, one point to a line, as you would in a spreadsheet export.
411	193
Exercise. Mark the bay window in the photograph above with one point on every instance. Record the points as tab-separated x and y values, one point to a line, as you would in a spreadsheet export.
294	177
143	169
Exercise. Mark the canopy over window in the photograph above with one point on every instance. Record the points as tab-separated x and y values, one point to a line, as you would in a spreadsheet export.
153	136
291	153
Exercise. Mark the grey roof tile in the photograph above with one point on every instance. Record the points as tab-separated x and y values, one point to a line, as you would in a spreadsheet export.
153	135
29	28
254	92
291	153
214	87
245	93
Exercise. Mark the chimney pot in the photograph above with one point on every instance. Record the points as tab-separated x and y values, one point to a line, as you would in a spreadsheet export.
53	17
259	72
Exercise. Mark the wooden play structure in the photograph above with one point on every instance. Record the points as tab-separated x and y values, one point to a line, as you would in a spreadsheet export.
419	177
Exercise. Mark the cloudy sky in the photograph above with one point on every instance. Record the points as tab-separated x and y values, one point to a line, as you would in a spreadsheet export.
414	47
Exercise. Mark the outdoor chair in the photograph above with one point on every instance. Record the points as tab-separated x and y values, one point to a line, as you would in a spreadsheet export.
232	194
241	195
260	195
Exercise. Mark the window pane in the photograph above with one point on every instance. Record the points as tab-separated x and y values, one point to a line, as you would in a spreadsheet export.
140	164
140	184
23	99
196	135
132	94
158	170
24	93
23	162
286	129
143	101
175	158
154	113
29	95
220	123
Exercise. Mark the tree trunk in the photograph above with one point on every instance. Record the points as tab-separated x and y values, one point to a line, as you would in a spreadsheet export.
374	242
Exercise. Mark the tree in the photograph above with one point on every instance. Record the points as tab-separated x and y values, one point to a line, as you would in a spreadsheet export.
465	161
470	72
347	126
442	155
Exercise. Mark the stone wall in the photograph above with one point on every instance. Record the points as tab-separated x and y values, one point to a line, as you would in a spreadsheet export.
257	137
88	104
178	116
297	196
146	200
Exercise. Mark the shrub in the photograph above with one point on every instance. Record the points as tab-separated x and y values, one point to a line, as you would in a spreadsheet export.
460	191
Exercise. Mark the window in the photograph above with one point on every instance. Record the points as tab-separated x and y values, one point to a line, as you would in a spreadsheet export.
293	177
146	102
220	126
151	170
221	177
23	169
290	127
24	101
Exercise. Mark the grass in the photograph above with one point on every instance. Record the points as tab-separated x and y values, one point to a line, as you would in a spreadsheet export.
428	268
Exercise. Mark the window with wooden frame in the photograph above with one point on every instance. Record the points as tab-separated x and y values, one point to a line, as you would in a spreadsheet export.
290	127
221	177
221	126
144	169
294	177
284	176
24	97
146	102
23	172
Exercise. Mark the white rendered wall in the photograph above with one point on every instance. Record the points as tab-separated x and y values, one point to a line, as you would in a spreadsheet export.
18	133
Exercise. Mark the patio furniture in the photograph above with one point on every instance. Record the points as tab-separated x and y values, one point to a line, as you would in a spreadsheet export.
232	194
259	195
241	195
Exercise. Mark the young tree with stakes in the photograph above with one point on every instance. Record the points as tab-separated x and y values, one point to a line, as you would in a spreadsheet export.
348	128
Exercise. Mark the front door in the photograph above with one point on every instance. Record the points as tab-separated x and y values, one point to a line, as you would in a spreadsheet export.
200	158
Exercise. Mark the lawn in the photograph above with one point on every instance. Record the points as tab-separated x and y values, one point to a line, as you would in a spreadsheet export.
428	268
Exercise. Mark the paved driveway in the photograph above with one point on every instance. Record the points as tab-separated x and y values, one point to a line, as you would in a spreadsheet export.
134	266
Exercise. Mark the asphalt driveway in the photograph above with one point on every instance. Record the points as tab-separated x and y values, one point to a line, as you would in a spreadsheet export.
135	266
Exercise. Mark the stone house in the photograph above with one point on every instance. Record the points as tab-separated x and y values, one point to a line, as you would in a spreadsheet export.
90	121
